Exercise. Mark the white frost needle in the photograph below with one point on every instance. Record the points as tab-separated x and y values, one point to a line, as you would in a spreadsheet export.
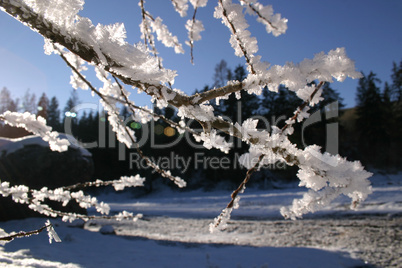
52	233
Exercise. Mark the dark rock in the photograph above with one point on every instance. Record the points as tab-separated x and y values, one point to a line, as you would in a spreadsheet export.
29	161
107	230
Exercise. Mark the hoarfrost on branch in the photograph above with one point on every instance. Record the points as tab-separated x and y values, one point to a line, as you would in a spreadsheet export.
117	62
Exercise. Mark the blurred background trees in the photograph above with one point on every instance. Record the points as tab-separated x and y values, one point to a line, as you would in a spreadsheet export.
369	132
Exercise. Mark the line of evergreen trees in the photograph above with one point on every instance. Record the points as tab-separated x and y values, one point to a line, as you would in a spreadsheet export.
48	109
378	123
370	132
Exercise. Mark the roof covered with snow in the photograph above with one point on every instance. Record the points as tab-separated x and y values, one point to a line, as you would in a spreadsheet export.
9	145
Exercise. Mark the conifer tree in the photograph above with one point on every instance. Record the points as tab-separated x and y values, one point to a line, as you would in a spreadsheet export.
329	96
371	121
69	114
29	102
43	106
369	103
397	81
6	102
396	95
222	74
53	114
71	103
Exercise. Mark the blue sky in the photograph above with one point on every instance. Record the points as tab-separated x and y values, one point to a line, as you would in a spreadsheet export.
370	30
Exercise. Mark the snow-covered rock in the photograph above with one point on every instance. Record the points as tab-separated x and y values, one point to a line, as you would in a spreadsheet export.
107	230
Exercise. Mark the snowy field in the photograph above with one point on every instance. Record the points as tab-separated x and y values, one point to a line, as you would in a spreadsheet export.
174	233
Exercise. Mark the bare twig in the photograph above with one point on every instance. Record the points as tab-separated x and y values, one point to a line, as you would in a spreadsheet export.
23	234
244	182
241	188
191	42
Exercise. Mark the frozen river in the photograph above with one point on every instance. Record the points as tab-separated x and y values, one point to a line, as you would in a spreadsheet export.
373	239
373	233
174	233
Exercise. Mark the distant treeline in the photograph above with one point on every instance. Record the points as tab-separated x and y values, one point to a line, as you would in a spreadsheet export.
369	132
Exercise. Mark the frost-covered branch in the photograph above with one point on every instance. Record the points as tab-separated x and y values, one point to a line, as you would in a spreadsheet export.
327	176
124	133
100	45
220	222
110	54
20	234
149	23
194	26
181	127
296	77
133	181
273	22
36	125
300	113
241	40
105	48
49	227
147	35
35	198
181	7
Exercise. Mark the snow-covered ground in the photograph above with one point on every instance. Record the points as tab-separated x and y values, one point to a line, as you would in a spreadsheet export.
174	233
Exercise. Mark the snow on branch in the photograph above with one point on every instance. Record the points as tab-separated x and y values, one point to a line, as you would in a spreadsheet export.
297	77
35	198
241	40
220	222
327	176
165	36
52	233
273	22
110	94
36	125
100	45
194	26
149	23
105	48
133	65
181	7
48	226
